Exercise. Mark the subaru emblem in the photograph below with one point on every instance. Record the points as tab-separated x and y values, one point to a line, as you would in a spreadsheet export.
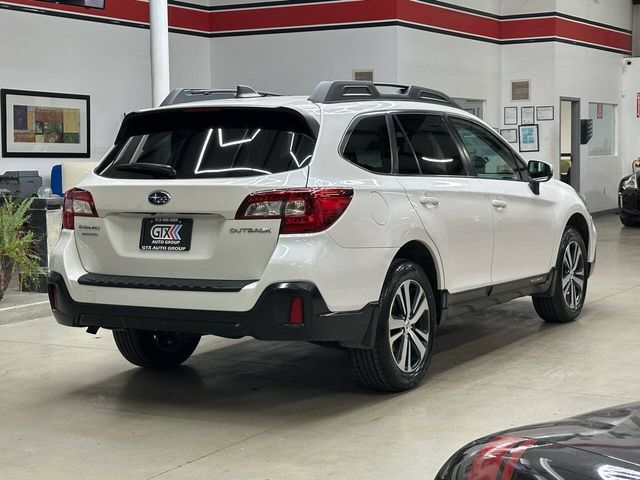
159	198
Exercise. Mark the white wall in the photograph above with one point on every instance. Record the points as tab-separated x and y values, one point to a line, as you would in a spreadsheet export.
536	63
461	68
580	74
294	63
610	12
110	63
513	7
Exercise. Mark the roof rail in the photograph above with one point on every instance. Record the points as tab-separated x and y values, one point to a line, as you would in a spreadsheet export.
339	91
188	95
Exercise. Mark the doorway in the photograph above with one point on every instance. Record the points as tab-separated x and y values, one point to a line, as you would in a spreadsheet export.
474	107
570	141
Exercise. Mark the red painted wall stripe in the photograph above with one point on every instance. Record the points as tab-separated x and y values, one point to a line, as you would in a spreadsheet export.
356	11
438	17
303	15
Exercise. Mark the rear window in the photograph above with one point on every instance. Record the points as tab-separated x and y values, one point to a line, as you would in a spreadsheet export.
210	143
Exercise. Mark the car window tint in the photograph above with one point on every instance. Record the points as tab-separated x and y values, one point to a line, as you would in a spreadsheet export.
212	143
434	148
407	163
490	157
368	145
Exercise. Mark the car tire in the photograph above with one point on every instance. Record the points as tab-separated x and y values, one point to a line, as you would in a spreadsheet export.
404	339
156	350
570	287
628	222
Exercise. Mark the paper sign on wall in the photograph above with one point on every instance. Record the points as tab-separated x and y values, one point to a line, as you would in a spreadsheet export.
600	112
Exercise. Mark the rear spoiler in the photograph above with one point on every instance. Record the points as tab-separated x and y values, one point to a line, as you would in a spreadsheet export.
188	95
131	123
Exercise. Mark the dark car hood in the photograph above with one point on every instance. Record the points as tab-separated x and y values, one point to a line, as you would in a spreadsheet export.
613	432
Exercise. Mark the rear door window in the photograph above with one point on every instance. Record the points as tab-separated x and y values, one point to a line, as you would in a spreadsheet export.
427	136
210	143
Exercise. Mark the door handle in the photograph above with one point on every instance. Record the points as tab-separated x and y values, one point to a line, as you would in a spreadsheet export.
499	204
430	202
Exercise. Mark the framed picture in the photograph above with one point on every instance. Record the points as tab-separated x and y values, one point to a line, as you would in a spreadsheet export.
544	114
510	135
529	138
527	115
511	115
44	124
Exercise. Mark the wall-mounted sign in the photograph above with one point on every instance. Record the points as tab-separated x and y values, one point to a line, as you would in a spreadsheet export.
544	114
511	115
527	115
510	135
600	111
529	138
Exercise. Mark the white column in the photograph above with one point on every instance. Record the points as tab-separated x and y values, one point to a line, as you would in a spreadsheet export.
160	80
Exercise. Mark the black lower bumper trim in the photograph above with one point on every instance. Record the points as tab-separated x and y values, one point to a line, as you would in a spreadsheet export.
267	320
155	283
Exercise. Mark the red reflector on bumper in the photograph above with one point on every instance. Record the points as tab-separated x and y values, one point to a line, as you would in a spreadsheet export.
296	313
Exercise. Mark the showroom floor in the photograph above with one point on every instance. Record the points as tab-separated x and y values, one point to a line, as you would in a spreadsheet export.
71	407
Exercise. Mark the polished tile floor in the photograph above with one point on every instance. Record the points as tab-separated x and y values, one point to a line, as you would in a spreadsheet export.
72	408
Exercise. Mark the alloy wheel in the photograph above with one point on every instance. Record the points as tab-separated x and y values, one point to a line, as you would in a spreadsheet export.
573	275
409	335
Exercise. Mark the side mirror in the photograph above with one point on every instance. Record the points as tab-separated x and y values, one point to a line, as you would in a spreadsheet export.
539	172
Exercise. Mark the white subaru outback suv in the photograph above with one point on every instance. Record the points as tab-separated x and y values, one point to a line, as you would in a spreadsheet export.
365	214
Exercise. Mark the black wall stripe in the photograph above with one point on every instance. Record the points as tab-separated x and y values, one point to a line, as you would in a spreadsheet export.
241	6
524	16
87	18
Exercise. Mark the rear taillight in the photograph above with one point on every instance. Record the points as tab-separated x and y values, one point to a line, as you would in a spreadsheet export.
77	203
302	210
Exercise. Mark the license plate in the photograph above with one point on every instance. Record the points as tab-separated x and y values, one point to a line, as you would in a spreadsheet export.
164	234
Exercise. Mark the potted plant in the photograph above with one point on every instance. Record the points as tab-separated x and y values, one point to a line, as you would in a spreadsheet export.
16	244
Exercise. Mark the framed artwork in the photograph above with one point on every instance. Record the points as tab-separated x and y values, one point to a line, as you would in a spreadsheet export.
44	124
544	114
529	138
527	115
510	135
511	115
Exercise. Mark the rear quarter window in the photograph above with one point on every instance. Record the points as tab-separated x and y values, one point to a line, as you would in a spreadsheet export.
368	144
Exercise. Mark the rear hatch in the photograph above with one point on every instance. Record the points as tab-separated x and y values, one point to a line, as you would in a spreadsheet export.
166	196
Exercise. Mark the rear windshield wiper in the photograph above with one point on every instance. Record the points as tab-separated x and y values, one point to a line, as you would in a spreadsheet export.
150	168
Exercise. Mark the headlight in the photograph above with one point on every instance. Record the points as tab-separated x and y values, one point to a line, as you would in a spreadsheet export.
631	182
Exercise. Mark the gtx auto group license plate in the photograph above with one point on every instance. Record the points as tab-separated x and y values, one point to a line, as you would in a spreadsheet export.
164	234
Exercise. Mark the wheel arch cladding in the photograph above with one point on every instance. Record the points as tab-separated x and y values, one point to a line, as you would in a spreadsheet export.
419	253
578	222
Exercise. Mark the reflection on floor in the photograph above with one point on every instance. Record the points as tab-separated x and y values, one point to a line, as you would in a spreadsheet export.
71	407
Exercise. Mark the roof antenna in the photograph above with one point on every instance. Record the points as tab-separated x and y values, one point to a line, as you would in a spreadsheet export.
243	91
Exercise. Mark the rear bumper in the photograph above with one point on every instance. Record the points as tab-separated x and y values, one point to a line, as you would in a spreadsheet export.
267	320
